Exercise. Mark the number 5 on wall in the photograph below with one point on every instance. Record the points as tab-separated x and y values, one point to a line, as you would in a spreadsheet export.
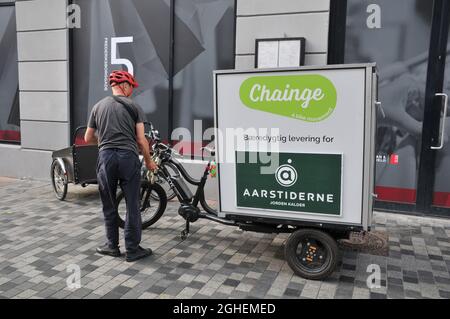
114	59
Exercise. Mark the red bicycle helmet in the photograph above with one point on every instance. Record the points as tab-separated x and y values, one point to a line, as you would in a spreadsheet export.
119	76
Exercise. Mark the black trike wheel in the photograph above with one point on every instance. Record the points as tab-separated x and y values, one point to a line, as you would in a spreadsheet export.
312	254
151	209
59	180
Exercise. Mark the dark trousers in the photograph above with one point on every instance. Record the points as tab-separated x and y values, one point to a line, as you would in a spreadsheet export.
116	166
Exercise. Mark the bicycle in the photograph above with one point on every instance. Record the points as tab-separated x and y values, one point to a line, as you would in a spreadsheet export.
189	202
172	172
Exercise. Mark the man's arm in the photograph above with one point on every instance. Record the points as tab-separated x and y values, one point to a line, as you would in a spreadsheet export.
89	136
143	146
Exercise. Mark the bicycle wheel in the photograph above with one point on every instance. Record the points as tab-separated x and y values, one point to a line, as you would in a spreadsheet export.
312	254
59	180
151	209
170	193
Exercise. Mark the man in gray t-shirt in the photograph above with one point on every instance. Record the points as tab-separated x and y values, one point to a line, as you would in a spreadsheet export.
116	128
118	122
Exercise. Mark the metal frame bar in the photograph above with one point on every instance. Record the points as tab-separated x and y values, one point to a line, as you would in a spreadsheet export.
71	82
171	69
234	34
432	114
336	32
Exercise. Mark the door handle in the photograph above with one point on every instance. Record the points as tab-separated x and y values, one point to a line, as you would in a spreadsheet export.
441	144
377	103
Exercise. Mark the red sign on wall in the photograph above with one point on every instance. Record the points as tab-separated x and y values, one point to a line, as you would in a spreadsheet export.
393	159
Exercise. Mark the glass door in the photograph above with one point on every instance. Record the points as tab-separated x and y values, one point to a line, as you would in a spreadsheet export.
441	189
396	35
408	41
433	187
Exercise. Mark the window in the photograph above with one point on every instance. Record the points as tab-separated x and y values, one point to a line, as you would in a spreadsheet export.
395	35
114	35
204	42
9	87
176	87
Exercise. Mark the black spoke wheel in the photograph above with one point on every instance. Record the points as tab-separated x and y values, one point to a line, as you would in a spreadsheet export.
311	253
152	204
59	180
165	185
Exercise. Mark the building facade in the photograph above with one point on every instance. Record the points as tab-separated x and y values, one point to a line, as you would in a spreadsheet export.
55	55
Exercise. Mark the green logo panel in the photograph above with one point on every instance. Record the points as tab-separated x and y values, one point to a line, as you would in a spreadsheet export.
310	98
308	183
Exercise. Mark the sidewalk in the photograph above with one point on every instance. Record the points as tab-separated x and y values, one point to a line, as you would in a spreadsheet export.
41	236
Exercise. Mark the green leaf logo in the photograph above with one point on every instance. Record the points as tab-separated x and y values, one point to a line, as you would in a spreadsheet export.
310	98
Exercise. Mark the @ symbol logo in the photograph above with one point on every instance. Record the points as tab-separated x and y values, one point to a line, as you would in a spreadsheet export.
286	175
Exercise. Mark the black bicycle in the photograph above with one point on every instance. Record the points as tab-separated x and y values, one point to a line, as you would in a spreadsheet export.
168	179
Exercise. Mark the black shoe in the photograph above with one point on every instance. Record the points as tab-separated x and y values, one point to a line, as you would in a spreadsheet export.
107	251
138	254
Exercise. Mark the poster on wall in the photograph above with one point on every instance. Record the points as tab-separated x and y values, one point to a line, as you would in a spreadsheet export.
136	36
296	144
127	35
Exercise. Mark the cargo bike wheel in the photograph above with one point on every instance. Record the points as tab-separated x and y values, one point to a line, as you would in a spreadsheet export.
152	204
59	180
312	254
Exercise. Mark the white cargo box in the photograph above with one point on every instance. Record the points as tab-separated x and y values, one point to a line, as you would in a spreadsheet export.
297	145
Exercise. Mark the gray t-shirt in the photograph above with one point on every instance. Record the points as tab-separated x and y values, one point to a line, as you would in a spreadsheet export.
114	125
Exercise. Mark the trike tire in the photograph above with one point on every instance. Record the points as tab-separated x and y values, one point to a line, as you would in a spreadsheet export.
62	192
329	249
154	189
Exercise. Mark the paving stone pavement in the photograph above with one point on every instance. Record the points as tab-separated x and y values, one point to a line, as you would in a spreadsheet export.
41	239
